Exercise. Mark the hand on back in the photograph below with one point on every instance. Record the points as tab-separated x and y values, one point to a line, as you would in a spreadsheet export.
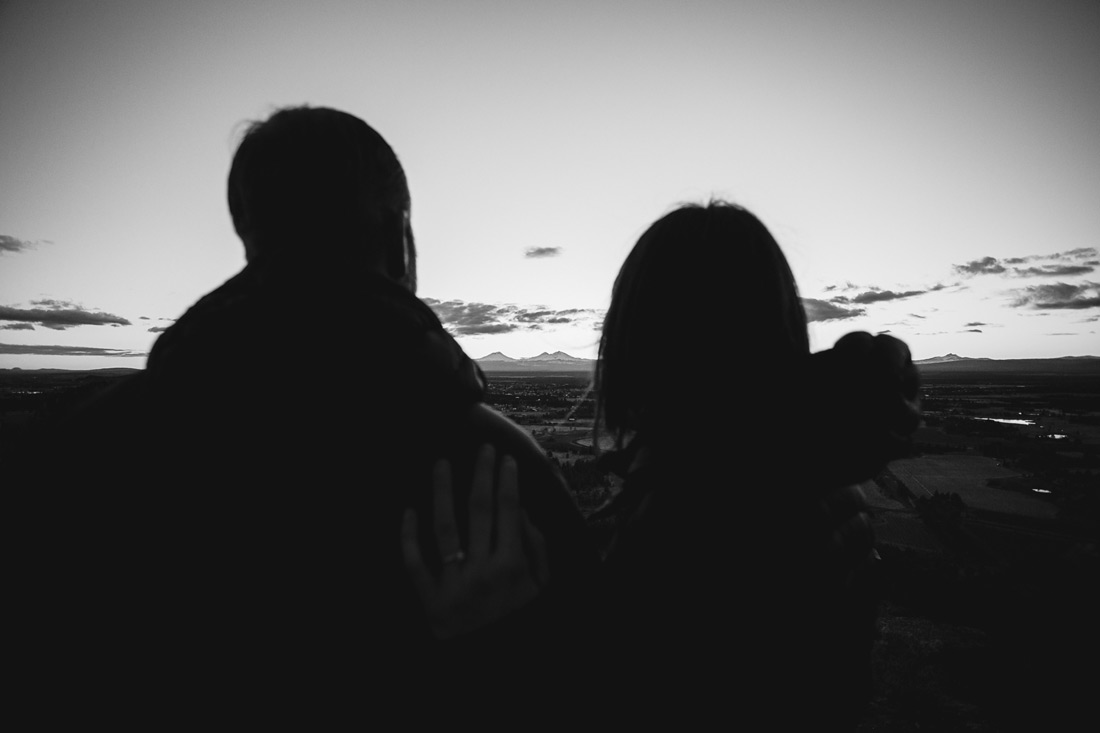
505	565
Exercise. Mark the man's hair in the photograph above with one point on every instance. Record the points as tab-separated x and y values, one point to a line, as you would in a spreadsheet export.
706	295
309	173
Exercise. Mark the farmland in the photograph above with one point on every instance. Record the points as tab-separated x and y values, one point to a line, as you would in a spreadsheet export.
969	476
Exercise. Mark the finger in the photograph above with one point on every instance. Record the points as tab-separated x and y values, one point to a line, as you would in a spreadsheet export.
896	350
897	361
410	548
854	538
855	343
481	502
509	530
540	565
845	501
443	513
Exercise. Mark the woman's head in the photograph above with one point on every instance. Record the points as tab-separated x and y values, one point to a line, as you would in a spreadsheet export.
705	299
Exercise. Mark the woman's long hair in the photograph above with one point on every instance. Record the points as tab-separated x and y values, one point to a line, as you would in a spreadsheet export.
704	317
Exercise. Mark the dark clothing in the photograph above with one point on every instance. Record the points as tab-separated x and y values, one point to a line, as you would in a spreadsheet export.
728	599
740	584
229	520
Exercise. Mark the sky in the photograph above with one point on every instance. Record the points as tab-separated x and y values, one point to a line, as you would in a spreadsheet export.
931	169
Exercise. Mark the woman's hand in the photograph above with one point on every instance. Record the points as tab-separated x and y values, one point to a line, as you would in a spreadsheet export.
503	569
885	367
869	389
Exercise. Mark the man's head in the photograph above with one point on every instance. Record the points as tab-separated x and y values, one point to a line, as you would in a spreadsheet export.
322	180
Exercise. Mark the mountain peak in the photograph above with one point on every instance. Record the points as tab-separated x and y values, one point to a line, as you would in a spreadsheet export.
556	356
942	359
948	358
559	361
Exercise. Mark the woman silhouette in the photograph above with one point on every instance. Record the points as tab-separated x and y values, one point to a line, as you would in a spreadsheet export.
739	578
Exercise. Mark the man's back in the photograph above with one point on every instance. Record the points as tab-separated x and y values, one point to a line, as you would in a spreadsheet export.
253	538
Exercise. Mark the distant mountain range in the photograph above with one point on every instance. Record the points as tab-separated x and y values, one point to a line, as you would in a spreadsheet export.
948	358
559	361
1058	365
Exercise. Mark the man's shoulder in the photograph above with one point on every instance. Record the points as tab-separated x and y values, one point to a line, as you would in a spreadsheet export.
543	490
486	425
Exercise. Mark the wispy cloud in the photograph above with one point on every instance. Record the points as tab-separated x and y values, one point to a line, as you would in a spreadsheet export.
984	266
45	350
878	296
822	310
476	319
471	318
1059	264
12	244
534	316
1053	271
59	315
1059	296
542	252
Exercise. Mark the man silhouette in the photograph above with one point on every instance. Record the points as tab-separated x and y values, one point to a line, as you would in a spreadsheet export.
250	540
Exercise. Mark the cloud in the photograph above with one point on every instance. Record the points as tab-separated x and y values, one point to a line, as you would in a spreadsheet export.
9	243
486	329
533	316
973	330
17	327
1077	253
1053	270
471	318
984	266
867	294
878	296
1060	296
542	252
993	266
820	310
44	350
158	329
974	324
59	315
476	319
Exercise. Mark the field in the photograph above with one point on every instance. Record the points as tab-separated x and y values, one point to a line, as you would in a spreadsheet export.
969	477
